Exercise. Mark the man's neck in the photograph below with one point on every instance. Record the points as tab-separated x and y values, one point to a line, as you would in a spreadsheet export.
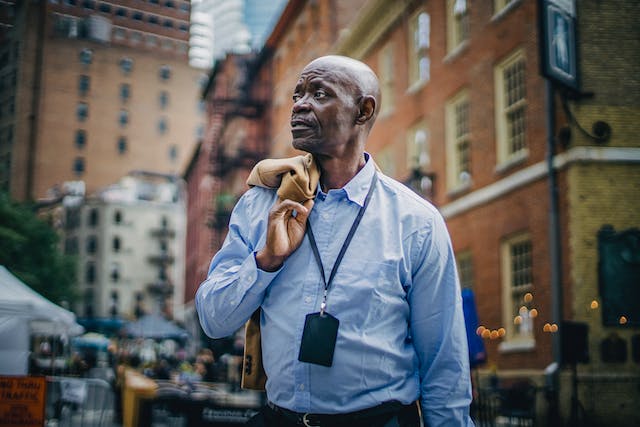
337	172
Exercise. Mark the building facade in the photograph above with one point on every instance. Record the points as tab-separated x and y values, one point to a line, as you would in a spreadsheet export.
128	239
101	88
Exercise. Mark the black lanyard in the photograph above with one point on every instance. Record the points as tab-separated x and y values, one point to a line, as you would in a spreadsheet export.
345	245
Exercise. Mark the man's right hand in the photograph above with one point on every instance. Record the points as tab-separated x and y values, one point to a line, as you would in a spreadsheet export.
285	233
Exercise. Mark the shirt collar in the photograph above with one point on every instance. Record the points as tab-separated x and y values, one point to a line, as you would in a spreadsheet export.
356	189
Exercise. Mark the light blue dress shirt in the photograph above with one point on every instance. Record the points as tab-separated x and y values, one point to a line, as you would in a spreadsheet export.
396	295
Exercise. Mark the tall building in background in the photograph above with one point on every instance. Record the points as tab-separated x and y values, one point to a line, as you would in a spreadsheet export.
201	34
94	89
241	26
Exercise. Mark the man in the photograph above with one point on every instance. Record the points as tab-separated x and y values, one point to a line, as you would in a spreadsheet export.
358	345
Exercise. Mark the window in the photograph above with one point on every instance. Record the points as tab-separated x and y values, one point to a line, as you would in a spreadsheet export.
122	12
136	37
122	145
119	33
167	23
123	118
89	4
115	272
152	19
104	7
93	217
169	4
86	56
151	40
81	139
71	246
386	73
78	166
137	16
510	83
458	141
82	111
162	126
418	161
92	245
173	153
84	84
419	63
165	72
465	269
163	99
126	65
517	285
125	92
457	23
90	273
417	147
117	217
116	244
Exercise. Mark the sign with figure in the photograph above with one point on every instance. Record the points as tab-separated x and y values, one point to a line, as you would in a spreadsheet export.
558	42
22	400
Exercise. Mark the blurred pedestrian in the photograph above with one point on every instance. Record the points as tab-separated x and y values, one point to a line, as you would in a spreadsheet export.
351	340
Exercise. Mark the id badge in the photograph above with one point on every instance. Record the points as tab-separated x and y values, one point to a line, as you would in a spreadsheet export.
319	339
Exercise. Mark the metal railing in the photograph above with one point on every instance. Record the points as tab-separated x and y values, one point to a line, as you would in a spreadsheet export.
86	402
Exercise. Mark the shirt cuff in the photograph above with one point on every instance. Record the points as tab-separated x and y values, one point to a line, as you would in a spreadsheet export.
258	278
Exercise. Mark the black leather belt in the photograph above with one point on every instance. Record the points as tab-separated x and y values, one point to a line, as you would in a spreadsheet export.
389	409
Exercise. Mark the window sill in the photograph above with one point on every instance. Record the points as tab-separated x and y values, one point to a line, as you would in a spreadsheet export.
512	162
416	87
456	51
505	10
515	346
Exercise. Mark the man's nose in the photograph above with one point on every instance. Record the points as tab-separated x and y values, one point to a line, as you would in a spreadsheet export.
301	104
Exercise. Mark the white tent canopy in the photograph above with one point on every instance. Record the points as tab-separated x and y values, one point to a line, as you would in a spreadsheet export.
22	312
18	299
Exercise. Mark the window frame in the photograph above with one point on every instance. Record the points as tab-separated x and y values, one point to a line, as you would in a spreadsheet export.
418	49
514	296
505	155
454	140
464	263
457	26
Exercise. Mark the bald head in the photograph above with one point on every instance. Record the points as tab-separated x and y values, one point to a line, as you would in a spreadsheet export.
353	72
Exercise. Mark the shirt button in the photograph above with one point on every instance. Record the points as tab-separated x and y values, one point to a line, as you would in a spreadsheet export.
325	216
301	387
307	299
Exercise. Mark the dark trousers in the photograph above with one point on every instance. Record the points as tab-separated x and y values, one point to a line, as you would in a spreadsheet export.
395	416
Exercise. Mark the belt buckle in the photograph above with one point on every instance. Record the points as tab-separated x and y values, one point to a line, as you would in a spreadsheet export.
308	422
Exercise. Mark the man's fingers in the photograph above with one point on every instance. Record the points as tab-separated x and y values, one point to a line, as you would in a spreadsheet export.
303	214
286	206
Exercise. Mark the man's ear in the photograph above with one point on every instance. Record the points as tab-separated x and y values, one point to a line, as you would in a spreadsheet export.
367	109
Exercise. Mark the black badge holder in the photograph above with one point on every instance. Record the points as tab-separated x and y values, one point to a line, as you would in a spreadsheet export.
319	339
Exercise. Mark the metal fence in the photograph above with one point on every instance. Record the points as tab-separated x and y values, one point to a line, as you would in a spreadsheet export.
86	402
513	406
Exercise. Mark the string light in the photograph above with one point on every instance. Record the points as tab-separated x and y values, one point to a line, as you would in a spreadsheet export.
594	305
622	320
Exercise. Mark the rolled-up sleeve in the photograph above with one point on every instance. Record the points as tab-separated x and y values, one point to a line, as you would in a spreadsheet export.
438	329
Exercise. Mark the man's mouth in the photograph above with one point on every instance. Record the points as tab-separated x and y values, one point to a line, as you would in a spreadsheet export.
300	123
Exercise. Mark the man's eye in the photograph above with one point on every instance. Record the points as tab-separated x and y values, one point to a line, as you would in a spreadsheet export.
296	97
320	94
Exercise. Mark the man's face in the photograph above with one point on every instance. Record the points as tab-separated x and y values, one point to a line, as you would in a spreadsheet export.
325	109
